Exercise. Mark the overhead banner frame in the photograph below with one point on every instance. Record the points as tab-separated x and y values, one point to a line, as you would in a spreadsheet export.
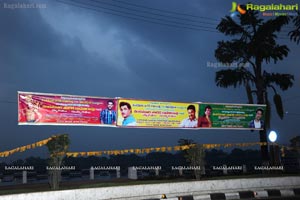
61	109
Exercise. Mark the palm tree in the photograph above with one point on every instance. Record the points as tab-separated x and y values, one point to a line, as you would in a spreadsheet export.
254	43
295	34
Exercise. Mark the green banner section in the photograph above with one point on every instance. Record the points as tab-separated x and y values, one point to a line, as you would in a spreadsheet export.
238	116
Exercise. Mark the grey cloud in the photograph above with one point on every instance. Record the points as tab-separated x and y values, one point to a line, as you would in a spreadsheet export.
145	61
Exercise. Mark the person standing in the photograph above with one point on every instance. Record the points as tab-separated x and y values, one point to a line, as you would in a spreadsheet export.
108	116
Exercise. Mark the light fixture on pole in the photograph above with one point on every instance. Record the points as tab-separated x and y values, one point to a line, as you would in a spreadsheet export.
274	149
272	136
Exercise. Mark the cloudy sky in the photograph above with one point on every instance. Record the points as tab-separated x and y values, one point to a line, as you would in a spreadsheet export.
109	48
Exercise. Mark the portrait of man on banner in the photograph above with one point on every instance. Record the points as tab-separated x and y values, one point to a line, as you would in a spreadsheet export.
191	121
108	115
205	120
257	122
126	112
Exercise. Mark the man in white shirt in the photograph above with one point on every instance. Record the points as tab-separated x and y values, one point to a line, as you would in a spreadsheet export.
257	122
191	121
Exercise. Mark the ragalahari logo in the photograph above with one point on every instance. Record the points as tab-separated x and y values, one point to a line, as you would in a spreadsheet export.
236	9
266	9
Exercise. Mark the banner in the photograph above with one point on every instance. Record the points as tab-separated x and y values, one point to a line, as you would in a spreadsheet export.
157	114
55	109
233	116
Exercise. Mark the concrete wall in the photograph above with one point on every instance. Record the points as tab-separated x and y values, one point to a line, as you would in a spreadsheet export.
195	188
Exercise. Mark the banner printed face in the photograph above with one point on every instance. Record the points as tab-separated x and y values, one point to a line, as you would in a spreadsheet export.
155	114
231	116
35	109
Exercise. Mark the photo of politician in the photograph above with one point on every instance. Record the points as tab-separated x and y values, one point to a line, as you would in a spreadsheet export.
108	115
126	112
205	120
191	121
257	122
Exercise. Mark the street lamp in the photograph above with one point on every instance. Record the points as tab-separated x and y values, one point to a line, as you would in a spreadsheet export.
274	149
272	136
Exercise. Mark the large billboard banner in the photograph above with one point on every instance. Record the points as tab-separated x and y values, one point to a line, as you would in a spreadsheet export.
231	116
157	114
55	109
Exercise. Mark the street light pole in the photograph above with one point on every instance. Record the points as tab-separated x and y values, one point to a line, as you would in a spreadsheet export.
274	149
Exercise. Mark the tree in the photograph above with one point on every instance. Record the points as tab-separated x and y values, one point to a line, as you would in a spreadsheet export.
184	142
290	155
195	155
295	34
255	44
295	146
57	146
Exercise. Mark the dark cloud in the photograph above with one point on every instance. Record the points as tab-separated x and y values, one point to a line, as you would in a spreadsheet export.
69	50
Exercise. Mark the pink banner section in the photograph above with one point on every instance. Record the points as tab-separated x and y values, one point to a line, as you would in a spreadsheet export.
55	109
